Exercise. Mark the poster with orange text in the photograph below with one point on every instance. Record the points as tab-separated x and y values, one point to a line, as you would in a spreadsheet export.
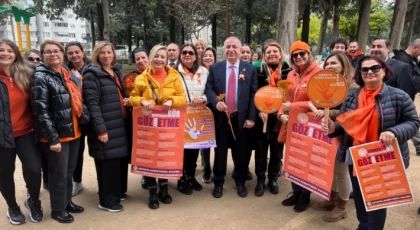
158	142
310	154
381	175
199	128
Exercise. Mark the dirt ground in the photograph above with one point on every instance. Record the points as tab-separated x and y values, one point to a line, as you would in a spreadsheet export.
201	211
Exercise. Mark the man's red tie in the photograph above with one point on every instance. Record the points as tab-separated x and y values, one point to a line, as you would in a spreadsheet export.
231	92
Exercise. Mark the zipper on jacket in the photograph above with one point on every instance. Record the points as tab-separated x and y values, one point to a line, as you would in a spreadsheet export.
380	115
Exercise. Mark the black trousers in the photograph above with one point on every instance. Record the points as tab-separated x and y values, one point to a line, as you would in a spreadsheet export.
151	181
30	156
124	173
274	165
61	166
44	164
206	157
373	220
190	162
77	175
225	140
109	181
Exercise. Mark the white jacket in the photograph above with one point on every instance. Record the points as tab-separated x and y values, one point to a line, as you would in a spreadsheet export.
196	85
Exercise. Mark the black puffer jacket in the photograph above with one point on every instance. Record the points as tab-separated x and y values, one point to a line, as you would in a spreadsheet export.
396	112
51	104
101	95
403	56
7	139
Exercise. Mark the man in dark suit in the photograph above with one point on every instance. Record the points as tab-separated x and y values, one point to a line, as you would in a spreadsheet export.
402	77
238	80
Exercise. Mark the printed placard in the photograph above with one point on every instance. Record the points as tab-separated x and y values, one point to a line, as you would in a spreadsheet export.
158	142
199	132
310	154
381	175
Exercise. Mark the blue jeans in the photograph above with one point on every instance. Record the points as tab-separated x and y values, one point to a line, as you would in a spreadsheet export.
373	220
297	188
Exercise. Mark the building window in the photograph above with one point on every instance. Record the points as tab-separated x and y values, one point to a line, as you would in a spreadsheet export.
71	15
61	35
61	24
47	34
83	35
33	34
72	35
1	33
88	35
83	26
72	26
46	24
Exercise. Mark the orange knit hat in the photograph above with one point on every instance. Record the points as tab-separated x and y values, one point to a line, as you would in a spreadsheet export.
299	45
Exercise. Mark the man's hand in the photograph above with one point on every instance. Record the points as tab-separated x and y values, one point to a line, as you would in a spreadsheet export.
221	106
249	124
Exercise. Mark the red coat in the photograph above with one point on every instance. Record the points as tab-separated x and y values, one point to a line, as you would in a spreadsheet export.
296	93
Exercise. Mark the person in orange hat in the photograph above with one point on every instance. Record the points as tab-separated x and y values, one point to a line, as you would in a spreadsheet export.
304	67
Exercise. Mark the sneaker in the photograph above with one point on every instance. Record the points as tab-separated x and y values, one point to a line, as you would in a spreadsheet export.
77	187
206	175
115	208
35	210
124	196
15	216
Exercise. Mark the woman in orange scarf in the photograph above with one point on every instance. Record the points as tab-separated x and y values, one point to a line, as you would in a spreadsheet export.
273	69
373	112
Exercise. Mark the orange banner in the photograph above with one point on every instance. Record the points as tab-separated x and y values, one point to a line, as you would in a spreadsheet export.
158	142
199	128
310	154
381	175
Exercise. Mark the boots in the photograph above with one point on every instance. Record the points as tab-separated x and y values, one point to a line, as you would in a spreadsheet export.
338	213
259	188
303	202
272	185
153	200
163	194
327	205
184	186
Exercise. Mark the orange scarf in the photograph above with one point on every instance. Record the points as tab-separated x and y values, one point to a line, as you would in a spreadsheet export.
274	76
353	56
74	91
362	123
189	73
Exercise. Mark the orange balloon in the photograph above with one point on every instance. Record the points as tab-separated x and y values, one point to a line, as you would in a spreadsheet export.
268	99
327	89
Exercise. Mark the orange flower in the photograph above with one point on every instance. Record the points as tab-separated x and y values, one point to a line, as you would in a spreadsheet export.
283	85
221	97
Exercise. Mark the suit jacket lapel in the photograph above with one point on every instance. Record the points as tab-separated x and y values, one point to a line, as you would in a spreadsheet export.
241	69
222	77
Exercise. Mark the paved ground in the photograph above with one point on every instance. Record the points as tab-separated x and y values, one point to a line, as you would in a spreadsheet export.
202	211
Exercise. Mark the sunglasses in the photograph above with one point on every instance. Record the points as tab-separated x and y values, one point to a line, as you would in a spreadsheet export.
374	69
34	59
185	52
301	54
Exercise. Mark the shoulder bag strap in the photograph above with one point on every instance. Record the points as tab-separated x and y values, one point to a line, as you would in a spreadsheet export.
186	87
154	93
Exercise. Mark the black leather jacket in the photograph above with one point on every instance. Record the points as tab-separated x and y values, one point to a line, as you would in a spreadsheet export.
52	105
7	139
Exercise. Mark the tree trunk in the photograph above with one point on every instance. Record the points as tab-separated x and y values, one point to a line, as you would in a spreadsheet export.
92	28
323	30
145	43
227	26
412	21
248	21
398	20
129	40
287	20
172	34
214	31
336	20
305	23
100	13
107	23
182	34
363	27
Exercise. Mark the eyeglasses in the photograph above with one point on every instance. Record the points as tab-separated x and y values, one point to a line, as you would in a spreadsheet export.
185	52
31	59
55	52
374	69
301	54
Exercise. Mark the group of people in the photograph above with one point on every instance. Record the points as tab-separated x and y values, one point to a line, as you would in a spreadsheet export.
51	108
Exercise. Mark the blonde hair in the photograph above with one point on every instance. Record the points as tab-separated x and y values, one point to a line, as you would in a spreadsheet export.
153	53
264	64
19	69
201	42
97	50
